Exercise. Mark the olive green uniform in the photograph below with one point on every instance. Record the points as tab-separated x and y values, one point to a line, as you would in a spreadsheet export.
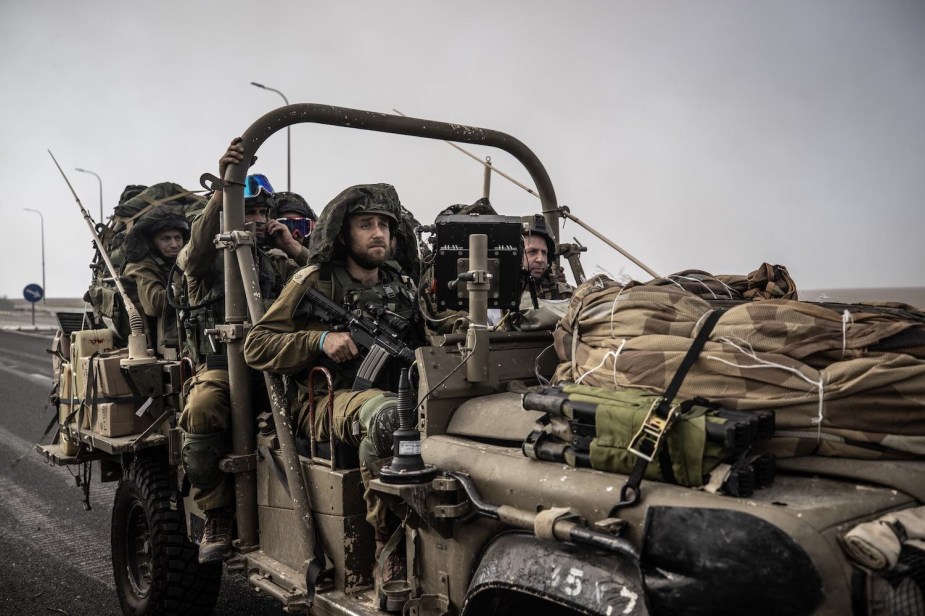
287	340
150	278
207	410
546	288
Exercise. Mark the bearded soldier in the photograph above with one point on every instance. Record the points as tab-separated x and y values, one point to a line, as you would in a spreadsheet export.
350	264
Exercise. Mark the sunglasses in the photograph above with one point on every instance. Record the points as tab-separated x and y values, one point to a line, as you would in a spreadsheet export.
256	184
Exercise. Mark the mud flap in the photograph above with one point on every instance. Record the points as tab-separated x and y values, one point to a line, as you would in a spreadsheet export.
590	581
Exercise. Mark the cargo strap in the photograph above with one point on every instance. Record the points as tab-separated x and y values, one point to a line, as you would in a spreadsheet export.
545	522
647	443
275	466
130	220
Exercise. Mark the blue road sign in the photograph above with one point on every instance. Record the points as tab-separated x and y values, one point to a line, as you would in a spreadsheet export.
33	293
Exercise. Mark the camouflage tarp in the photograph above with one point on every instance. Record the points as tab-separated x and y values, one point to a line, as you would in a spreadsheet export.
848	383
766	282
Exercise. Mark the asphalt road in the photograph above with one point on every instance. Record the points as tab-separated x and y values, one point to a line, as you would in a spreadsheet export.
54	555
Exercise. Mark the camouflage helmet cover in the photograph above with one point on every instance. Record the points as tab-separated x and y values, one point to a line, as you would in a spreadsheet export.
290	202
258	192
165	217
361	199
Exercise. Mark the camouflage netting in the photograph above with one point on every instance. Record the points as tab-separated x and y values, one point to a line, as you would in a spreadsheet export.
141	203
844	381
767	282
136	204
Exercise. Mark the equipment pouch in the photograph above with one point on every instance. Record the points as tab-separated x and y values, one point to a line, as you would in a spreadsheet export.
686	451
590	426
108	304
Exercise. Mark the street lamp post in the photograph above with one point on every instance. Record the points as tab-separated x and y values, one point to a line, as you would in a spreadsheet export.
288	160
101	188
42	223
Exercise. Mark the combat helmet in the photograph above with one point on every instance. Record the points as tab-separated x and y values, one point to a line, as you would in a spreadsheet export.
291	203
137	242
360	199
536	225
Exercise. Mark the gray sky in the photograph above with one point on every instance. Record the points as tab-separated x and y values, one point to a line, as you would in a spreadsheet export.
711	135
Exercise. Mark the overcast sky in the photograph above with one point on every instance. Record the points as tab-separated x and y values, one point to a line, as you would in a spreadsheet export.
711	135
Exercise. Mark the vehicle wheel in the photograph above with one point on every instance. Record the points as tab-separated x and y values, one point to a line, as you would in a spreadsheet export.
156	568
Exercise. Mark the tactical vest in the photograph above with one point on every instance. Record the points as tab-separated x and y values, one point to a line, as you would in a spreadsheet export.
393	293
211	310
164	326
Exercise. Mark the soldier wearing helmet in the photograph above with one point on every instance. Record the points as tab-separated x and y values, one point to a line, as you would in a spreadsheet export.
206	415
349	262
151	248
539	253
293	211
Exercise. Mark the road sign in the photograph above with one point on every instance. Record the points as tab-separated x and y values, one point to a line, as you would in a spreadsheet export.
33	293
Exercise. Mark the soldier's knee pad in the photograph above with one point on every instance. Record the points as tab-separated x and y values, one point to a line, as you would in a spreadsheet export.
200	455
382	411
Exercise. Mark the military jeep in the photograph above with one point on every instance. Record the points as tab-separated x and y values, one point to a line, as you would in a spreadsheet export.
487	530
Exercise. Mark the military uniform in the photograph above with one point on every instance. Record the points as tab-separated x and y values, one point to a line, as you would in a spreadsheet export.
206	414
288	340
150	278
146	270
547	286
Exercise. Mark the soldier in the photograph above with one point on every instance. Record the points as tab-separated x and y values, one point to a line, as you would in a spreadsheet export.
206	415
292	210
151	249
539	251
349	263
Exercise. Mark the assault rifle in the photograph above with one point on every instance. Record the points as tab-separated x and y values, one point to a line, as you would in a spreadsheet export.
379	336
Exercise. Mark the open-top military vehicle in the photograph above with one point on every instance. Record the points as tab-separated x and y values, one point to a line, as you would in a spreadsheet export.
488	529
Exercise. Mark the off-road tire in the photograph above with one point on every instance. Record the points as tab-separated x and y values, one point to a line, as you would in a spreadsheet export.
156	568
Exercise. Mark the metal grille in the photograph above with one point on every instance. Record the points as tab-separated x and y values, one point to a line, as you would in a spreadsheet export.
72	321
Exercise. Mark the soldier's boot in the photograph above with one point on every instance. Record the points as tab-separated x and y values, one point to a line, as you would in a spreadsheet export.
390	574
215	545
200	457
